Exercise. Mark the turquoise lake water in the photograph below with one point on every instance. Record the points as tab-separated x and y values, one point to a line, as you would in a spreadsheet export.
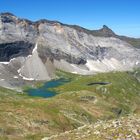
44	91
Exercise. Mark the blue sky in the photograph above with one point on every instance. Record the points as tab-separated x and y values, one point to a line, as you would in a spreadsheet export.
123	16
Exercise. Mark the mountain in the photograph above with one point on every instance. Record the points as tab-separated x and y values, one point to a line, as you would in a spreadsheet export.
35	50
98	95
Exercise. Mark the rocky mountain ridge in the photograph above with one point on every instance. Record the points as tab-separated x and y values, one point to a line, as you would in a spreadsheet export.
34	50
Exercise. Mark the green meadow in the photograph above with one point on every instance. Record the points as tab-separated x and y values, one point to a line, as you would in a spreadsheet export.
76	104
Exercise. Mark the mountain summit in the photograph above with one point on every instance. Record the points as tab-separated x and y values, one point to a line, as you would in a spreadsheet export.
107	31
34	50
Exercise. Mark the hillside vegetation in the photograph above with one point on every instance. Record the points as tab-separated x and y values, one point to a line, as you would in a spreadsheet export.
79	105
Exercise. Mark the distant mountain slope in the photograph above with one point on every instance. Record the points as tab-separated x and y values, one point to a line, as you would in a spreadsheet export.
34	50
107	32
135	42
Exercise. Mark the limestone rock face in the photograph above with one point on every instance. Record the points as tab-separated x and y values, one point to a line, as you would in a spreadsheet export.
15	49
59	46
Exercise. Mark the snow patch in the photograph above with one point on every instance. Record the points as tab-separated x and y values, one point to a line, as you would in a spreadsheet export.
25	78
6	63
35	48
15	77
12	60
28	79
29	56
18	71
75	72
137	62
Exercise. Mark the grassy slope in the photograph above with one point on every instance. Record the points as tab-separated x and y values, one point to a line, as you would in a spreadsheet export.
23	117
122	93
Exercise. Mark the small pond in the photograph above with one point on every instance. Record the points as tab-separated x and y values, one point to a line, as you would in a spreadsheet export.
44	91
98	83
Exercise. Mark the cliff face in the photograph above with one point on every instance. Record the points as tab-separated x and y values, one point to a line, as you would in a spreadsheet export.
33	50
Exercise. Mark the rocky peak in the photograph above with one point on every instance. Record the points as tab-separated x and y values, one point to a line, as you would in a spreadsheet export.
107	31
47	21
8	17
7	14
106	27
11	18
